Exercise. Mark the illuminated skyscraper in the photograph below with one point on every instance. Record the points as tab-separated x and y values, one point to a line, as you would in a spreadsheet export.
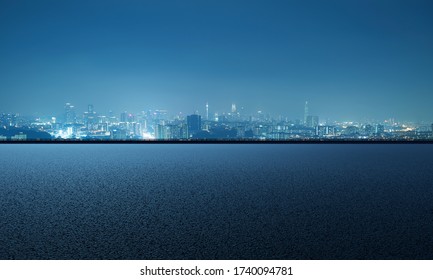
90	118
70	117
233	108
207	111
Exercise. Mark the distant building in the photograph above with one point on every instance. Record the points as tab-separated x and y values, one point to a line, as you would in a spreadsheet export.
161	132
135	129
19	137
118	134
305	113
123	117
325	131
234	108
70	117
351	131
130	118
312	121
170	131
222	119
368	130
240	132
379	129
90	118
90	109
193	124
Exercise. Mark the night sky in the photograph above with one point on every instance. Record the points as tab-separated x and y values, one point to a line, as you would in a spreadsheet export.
350	59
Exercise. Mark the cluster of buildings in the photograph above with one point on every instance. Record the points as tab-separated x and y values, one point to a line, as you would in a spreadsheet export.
158	125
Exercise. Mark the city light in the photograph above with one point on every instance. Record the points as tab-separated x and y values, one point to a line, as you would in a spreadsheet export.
159	125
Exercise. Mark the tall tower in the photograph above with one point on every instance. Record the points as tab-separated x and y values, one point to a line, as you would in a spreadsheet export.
69	113
305	112
207	111
90	117
90	109
233	108
123	117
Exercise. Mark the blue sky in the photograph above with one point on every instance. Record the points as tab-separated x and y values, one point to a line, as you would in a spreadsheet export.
349	59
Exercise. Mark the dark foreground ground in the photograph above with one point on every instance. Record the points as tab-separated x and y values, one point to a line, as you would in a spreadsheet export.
246	201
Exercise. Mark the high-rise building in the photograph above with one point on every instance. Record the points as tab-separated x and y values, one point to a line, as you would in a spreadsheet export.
233	108
136	129
90	109
161	132
70	117
305	112
193	124
379	129
90	118
123	117
130	118
325	130
368	129
207	111
312	121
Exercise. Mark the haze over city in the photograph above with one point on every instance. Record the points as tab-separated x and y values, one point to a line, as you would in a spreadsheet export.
351	59
231	137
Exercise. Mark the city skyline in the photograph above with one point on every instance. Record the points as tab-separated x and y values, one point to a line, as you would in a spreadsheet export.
234	125
207	112
357	59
